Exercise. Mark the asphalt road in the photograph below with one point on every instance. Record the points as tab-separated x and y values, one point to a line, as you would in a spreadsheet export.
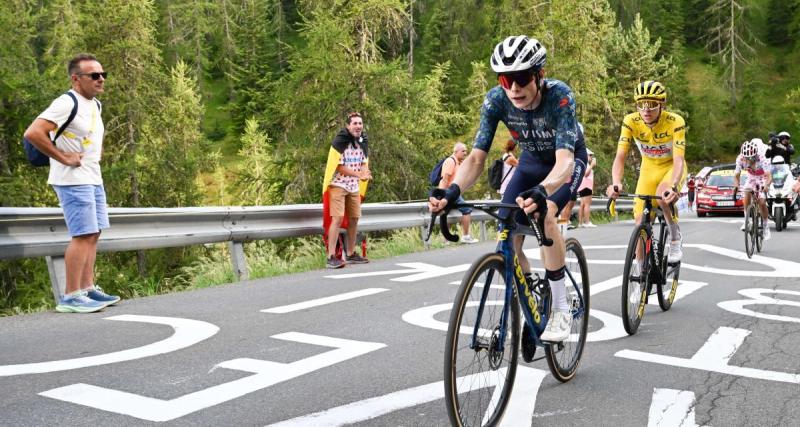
364	346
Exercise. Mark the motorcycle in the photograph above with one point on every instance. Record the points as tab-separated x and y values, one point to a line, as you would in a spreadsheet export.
782	202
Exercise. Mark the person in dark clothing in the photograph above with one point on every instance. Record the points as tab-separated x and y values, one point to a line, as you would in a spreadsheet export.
780	145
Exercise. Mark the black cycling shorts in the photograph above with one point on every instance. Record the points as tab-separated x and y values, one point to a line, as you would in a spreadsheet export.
530	173
585	192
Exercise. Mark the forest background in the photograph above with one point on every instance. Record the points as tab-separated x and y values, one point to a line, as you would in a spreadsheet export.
235	102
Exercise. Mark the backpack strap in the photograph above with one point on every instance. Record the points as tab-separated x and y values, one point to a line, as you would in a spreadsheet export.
71	117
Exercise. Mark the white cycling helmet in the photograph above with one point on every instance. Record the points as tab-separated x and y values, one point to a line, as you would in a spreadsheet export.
777	160
784	134
518	53
750	148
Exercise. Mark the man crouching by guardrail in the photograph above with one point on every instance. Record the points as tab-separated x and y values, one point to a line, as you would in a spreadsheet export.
74	160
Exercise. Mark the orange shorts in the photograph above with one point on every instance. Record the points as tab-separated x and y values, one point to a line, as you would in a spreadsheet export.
341	201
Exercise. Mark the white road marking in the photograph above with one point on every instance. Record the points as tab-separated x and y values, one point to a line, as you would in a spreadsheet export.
756	297
672	408
519	411
187	333
323	301
714	356
266	373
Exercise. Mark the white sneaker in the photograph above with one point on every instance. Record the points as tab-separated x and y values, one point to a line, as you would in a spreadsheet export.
767	233
742	227
675	252
558	327
467	239
589	225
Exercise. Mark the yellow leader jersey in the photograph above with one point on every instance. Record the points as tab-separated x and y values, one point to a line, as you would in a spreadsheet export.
657	145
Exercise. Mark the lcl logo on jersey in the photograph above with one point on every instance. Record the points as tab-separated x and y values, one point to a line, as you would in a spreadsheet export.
661	135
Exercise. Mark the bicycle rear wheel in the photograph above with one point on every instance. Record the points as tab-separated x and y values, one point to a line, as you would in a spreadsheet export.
669	274
563	358
479	369
749	231
634	285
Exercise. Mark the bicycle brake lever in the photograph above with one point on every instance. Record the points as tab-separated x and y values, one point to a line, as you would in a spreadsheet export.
432	223
446	228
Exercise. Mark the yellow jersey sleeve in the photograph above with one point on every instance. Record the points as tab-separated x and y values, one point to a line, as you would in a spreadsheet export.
626	134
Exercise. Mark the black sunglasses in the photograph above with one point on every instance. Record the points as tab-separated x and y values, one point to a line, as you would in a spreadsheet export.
95	76
521	78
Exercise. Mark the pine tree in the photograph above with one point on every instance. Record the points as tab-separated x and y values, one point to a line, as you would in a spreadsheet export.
257	177
728	40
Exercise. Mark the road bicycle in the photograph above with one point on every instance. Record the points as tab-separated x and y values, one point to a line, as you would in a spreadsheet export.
483	334
753	224
638	277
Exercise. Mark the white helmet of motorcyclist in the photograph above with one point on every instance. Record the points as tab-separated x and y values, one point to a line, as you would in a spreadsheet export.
778	160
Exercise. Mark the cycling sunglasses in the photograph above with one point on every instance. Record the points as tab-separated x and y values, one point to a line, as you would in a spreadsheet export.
95	76
647	105
521	78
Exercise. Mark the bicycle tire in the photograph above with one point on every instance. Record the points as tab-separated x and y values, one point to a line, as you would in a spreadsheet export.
749	232
564	358
465	367
633	308
668	287
759	222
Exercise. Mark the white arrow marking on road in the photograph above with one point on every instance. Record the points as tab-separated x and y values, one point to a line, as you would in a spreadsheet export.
323	301
757	297
187	333
267	373
415	272
672	408
714	356
519	411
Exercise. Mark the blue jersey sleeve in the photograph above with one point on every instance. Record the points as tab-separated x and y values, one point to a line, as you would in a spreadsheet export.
491	114
567	128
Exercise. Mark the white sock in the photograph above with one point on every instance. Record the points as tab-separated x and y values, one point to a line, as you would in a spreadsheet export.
559	295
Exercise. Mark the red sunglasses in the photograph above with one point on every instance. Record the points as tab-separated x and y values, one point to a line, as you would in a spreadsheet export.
521	78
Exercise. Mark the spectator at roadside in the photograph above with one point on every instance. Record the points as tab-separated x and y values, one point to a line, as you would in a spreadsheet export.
585	190
77	180
510	163
690	185
350	152
564	220
449	169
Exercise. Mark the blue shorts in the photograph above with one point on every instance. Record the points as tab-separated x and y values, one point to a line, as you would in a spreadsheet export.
464	211
530	172
85	208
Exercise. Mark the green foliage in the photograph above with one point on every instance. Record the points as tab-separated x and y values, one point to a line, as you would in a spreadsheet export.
780	14
257	176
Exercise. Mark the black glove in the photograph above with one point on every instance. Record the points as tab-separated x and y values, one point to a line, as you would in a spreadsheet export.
539	196
451	194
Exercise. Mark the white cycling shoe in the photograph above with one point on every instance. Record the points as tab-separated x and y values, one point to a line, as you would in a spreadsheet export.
558	327
675	251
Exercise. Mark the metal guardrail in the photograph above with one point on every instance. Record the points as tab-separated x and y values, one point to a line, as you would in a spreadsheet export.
36	232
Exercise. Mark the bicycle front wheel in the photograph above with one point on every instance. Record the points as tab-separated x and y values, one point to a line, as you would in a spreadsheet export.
563	358
749	231
480	360
758	221
634	286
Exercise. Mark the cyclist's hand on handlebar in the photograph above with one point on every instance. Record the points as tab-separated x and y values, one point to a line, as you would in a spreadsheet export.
533	200
440	198
612	191
671	195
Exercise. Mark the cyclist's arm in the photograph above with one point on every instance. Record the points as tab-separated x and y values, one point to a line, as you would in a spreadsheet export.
618	168
678	152
470	170
565	164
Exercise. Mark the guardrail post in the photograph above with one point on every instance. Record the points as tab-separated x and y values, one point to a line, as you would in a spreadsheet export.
58	275
483	231
238	260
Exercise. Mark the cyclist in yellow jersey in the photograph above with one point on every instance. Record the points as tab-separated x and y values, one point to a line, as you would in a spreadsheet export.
661	138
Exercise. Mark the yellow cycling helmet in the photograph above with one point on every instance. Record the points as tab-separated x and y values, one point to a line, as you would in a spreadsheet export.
650	90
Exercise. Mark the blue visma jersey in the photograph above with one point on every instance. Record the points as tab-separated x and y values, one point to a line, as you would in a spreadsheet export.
550	127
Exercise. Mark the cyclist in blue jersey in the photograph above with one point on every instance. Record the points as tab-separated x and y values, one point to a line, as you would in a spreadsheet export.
540	115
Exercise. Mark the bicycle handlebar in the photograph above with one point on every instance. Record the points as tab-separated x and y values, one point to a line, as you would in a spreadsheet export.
536	226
